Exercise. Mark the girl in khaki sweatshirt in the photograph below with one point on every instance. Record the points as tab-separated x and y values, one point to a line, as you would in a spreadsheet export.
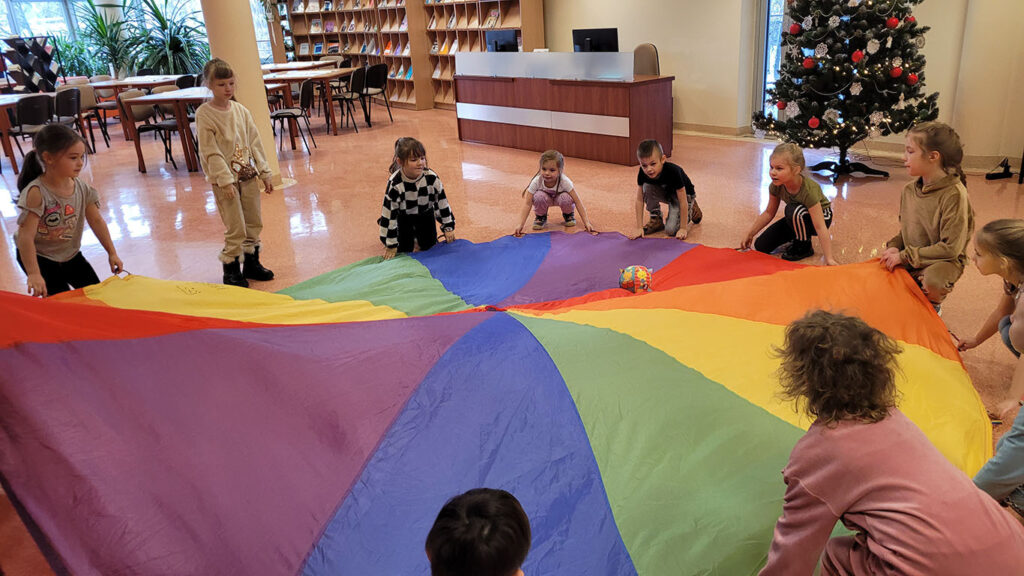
936	218
235	164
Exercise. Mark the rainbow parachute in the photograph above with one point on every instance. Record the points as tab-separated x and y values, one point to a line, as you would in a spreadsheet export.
153	427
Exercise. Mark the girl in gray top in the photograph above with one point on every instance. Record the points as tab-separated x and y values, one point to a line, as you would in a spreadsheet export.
55	204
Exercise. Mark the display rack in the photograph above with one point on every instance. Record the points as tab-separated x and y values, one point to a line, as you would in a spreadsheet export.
33	63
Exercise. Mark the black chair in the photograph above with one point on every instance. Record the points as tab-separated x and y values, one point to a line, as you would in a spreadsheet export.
88	112
305	103
376	85
186	81
345	98
68	110
31	114
147	116
145	72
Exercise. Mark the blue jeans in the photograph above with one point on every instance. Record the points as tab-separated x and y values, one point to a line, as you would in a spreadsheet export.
1004	331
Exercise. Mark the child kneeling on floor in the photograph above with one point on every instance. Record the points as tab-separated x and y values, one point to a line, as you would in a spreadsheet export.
661	182
413	200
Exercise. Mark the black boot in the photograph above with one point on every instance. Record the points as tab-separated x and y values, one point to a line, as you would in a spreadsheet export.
254	270
233	274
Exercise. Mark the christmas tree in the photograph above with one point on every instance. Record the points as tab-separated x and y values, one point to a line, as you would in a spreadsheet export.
851	69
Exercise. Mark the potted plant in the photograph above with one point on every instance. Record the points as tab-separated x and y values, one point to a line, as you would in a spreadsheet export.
108	35
169	39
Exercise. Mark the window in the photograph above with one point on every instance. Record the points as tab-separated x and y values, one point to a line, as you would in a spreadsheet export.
773	45
259	22
39	17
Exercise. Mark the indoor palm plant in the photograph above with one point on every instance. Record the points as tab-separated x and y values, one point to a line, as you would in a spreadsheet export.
108	35
170	39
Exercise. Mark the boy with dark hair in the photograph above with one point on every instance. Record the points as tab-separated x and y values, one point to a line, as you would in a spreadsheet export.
659	181
483	532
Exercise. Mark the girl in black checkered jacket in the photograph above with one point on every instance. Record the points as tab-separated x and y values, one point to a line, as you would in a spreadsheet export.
414	199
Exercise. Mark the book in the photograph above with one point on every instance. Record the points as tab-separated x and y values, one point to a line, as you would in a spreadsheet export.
391	74
352	25
371	48
433	48
304	49
316	27
444	47
492	18
318	48
333	48
348	46
328	5
401	71
363	49
405	24
455	47
408	73
297	6
282	9
406	51
313	6
451	21
437	71
329	27
398	48
388	48
433	23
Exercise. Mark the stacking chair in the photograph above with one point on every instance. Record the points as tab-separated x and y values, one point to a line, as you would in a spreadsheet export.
104	106
305	103
345	98
167	112
376	85
145	72
145	121
88	113
68	110
32	112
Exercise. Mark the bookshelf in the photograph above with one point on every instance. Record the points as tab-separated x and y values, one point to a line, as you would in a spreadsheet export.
396	33
34	63
461	26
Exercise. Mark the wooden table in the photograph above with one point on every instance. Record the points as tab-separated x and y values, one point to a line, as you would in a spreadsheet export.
301	65
130	82
299	76
10	101
180	99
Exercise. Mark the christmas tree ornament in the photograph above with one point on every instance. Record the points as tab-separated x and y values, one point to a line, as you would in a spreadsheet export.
808	63
896	72
808	22
794	109
821	50
888	42
901	103
780	105
910	19
875	118
794	29
857	56
912	79
853	3
813	122
897	62
759	134
855	88
833	22
919	42
874	132
892	22
831	115
873	46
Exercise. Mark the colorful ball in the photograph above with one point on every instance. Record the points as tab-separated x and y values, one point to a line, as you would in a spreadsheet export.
892	22
808	63
912	79
794	28
636	278
857	56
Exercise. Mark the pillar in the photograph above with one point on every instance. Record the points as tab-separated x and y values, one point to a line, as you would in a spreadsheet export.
233	39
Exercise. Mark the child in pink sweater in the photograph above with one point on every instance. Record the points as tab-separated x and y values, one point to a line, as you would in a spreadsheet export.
864	463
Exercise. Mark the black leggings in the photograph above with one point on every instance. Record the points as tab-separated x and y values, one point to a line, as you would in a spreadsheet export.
421	228
796	226
58	275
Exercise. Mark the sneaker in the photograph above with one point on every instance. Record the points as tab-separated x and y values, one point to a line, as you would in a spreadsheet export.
696	215
798	251
654	224
539	222
570	220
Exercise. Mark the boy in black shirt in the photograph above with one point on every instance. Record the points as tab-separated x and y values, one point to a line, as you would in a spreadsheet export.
660	182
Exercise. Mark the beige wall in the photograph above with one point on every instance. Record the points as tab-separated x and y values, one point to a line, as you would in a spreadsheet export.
974	51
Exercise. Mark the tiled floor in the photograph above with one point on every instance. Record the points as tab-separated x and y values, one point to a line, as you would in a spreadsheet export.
165	223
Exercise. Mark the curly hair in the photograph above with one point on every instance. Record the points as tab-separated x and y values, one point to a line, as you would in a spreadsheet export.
836	367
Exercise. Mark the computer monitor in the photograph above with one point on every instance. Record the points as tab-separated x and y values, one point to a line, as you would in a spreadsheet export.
501	41
595	40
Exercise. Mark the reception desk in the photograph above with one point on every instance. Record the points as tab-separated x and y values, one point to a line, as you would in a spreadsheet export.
587	105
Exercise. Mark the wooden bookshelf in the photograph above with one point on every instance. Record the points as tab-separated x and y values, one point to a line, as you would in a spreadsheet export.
461	26
398	33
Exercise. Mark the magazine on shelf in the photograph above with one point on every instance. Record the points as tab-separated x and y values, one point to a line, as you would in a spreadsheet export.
363	49
401	71
304	49
408	73
406	51
328	5
451	21
313	6
352	25
297	6
455	47
329	26
433	48
388	48
282	9
433	22
318	48
444	47
391	72
348	46
398	49
405	24
437	71
333	48
492	18
316	27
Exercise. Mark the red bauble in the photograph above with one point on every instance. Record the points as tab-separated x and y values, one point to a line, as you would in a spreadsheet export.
808	62
813	122
912	79
910	19
896	72
892	22
781	105
857	56
794	28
